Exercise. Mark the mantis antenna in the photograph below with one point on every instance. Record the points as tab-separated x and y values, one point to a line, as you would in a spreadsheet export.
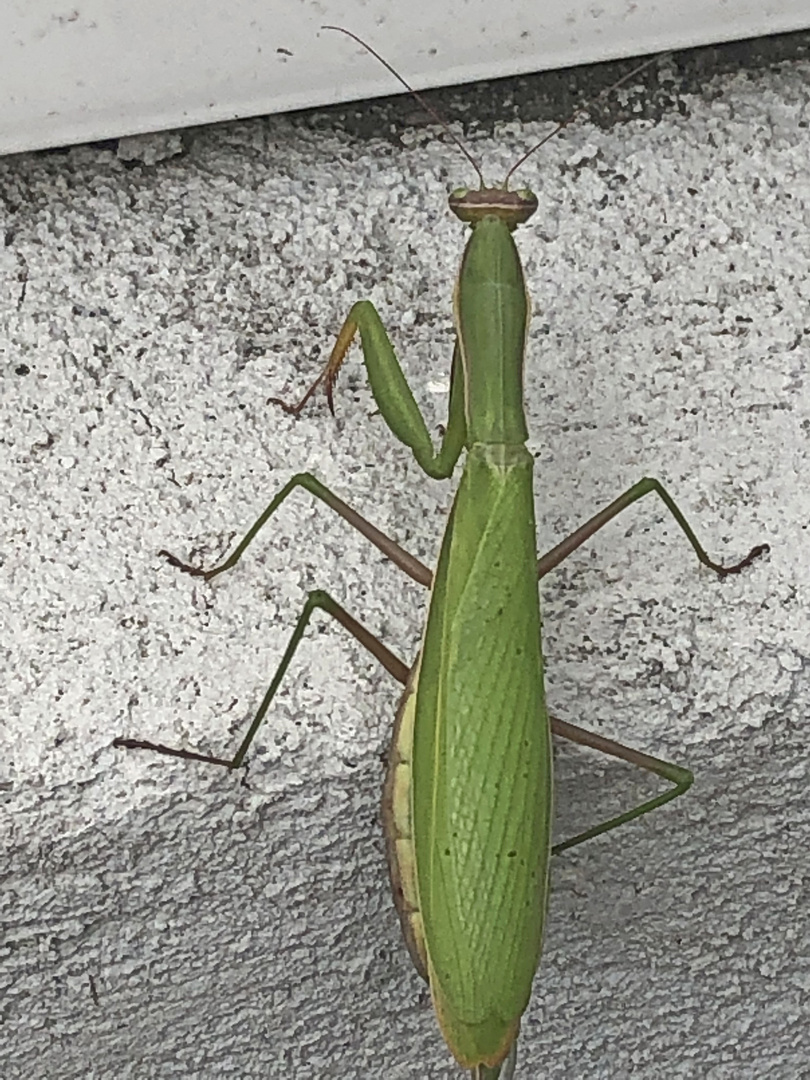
446	127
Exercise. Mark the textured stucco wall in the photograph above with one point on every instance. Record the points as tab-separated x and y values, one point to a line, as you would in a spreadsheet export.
162	920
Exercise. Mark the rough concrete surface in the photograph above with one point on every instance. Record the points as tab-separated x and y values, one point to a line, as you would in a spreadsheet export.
162	919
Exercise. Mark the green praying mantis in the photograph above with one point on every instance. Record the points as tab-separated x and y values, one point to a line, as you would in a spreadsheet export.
467	802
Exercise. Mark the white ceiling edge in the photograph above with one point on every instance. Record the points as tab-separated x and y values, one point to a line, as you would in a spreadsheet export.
112	68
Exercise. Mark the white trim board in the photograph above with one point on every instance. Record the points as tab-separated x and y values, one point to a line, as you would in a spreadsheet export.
113	68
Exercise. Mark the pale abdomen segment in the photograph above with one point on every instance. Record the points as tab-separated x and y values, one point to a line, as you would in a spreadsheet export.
475	876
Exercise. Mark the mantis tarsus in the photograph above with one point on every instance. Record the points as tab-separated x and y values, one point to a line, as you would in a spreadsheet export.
467	799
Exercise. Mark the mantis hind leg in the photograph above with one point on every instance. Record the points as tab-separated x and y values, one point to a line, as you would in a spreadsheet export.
316	600
680	778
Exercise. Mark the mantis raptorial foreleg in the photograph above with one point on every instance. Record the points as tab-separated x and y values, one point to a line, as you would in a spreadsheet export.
392	393
402	414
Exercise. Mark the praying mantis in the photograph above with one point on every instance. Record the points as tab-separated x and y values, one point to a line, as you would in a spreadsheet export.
467	802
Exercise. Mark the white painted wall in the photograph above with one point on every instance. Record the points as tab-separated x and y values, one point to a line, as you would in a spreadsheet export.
71	73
